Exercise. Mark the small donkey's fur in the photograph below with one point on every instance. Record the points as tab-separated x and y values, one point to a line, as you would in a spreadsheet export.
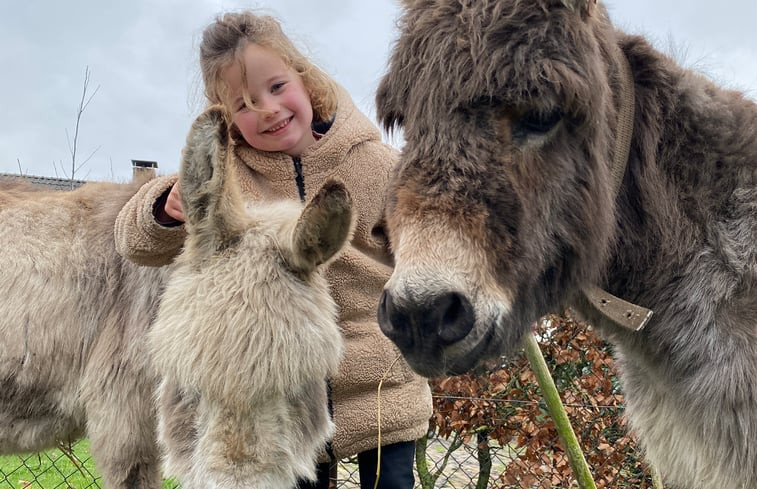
502	209
246	334
73	317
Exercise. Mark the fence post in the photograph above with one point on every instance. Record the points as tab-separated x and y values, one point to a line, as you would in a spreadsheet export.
557	411
421	464
484	459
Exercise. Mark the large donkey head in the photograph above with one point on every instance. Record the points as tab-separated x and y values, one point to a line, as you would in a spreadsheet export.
501	207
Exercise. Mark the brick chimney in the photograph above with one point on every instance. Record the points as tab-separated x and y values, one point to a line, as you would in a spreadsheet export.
143	170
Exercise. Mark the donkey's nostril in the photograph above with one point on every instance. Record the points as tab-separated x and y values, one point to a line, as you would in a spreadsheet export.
393	322
383	314
453	310
456	316
438	321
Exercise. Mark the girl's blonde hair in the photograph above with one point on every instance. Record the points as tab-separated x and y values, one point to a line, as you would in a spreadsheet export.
223	43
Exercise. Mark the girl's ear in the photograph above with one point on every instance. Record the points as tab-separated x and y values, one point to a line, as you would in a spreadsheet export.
324	227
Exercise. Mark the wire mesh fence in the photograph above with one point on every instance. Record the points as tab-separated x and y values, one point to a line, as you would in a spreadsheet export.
490	429
499	417
65	467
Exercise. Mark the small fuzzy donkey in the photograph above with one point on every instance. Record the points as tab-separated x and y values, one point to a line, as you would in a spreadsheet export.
246	333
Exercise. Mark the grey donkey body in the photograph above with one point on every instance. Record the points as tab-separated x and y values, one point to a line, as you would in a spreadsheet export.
246	335
73	317
502	209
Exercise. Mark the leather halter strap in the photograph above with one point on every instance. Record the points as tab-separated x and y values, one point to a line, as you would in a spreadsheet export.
609	307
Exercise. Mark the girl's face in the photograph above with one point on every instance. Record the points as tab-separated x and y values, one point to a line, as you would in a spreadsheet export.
282	114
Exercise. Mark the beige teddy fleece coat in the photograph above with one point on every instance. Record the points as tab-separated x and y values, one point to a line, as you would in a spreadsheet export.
352	152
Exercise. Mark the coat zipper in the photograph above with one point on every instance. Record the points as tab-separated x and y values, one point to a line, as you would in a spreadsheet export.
299	178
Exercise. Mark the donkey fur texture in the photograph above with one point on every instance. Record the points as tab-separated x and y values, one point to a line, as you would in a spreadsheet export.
73	318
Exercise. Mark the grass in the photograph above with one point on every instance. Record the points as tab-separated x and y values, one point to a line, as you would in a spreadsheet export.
50	470
55	469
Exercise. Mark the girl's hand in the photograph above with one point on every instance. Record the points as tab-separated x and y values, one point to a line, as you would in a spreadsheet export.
173	206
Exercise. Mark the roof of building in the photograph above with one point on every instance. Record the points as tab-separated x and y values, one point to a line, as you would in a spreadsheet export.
46	182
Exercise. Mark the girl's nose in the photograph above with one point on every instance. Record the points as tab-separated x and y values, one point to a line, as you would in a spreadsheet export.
269	107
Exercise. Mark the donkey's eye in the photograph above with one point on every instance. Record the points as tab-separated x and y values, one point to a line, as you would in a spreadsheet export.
535	124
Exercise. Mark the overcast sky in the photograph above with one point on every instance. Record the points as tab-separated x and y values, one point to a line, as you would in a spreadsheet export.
142	59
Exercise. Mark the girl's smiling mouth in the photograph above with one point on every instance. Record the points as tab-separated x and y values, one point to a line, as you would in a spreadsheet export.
280	126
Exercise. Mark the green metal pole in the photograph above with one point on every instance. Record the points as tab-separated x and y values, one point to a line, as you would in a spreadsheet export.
656	478
557	411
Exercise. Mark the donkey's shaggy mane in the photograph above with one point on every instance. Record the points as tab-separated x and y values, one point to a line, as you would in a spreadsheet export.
489	56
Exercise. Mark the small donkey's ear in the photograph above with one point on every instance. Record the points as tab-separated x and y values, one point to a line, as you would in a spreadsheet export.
209	195
323	228
202	159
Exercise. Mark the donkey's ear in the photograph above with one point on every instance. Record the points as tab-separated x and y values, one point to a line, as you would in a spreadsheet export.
209	195
392	93
323	228
389	99
202	164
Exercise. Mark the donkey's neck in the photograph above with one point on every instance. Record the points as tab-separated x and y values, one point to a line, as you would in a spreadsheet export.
693	148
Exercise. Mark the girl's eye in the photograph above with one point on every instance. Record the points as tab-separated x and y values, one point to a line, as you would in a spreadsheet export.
277	86
242	106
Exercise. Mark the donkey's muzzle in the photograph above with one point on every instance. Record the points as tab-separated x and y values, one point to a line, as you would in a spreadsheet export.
420	328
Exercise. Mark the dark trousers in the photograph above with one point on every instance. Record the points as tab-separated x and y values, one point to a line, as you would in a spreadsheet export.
396	469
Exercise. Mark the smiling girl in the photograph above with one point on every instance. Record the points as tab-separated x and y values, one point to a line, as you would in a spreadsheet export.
294	128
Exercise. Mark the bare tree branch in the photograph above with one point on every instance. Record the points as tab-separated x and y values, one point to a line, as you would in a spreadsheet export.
88	157
62	170
73	142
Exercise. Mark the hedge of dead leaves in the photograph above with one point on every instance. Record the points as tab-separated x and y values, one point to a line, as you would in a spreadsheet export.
503	404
